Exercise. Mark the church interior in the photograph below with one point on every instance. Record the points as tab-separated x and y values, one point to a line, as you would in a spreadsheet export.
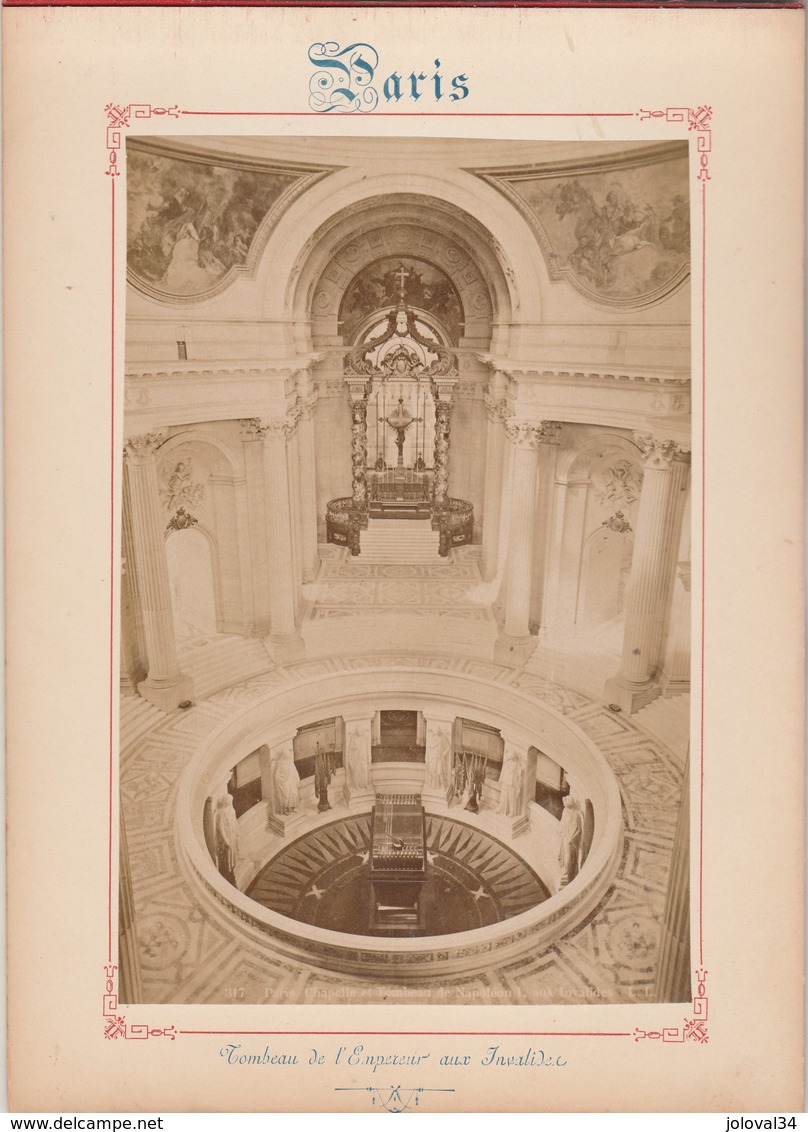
405	539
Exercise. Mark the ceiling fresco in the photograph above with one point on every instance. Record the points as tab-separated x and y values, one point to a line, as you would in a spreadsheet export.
621	235
191	221
378	285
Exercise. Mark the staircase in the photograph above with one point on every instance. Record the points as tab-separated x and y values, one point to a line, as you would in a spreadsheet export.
400	540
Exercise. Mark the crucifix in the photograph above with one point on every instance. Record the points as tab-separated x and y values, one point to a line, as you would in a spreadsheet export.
399	421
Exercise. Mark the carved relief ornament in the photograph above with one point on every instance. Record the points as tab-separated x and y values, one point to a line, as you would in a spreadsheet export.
658	453
497	409
532	434
142	448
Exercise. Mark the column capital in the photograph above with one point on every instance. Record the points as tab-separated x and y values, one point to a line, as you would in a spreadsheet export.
270	428
306	405
532	434
140	449
443	390
497	408
659	453
358	388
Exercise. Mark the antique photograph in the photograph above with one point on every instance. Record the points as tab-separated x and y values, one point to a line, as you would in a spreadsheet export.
405	550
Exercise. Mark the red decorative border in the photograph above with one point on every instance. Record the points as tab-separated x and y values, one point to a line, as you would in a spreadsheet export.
119	119
693	1029
115	1025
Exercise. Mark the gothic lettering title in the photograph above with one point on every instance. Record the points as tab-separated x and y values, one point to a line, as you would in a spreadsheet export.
343	82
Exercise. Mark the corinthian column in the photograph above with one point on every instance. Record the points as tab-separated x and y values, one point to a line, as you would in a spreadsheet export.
307	399
498	412
165	686
515	644
284	634
548	459
252	436
651	573
359	391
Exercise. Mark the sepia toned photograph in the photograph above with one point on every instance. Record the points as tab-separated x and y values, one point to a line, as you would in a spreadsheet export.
405	543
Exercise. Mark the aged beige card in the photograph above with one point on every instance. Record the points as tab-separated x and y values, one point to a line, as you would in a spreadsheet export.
404	526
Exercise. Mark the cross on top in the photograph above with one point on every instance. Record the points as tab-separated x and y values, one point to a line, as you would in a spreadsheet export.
402	275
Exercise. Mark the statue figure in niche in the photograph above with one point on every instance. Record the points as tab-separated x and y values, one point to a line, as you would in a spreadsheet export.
287	781
572	830
358	761
225	832
438	758
511	782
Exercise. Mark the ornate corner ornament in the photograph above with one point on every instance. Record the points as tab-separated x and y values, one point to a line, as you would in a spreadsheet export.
143	447
532	434
693	1029
698	120
115	1024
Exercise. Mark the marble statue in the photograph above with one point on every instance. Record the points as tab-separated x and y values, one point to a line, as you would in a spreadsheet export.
287	781
511	781
572	829
358	762
438	758
225	832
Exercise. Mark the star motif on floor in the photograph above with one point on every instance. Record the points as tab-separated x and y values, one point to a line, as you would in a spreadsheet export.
480	893
316	892
430	857
364	857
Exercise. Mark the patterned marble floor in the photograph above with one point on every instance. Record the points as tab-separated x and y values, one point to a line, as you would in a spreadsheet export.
445	590
189	956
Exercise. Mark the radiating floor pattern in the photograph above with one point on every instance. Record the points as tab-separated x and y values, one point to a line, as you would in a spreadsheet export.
472	879
189	956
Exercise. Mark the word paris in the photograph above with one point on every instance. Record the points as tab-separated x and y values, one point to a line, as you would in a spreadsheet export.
343	81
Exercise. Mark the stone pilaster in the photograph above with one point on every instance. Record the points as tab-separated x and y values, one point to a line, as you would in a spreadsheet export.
284	635
252	437
498	412
358	791
651	569
515	643
545	504
307	399
165	686
133	647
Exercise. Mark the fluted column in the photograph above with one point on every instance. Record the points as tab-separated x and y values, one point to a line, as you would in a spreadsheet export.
282	581
133	648
307	399
498	412
674	974
165	686
439	759
548	459
359	391
676	666
252	437
651	570
443	426
358	790
515	644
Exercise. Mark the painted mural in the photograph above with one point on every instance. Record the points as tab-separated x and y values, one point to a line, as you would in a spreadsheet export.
623	234
190	222
379	285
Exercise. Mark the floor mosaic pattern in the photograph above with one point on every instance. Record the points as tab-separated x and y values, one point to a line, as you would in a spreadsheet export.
188	956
